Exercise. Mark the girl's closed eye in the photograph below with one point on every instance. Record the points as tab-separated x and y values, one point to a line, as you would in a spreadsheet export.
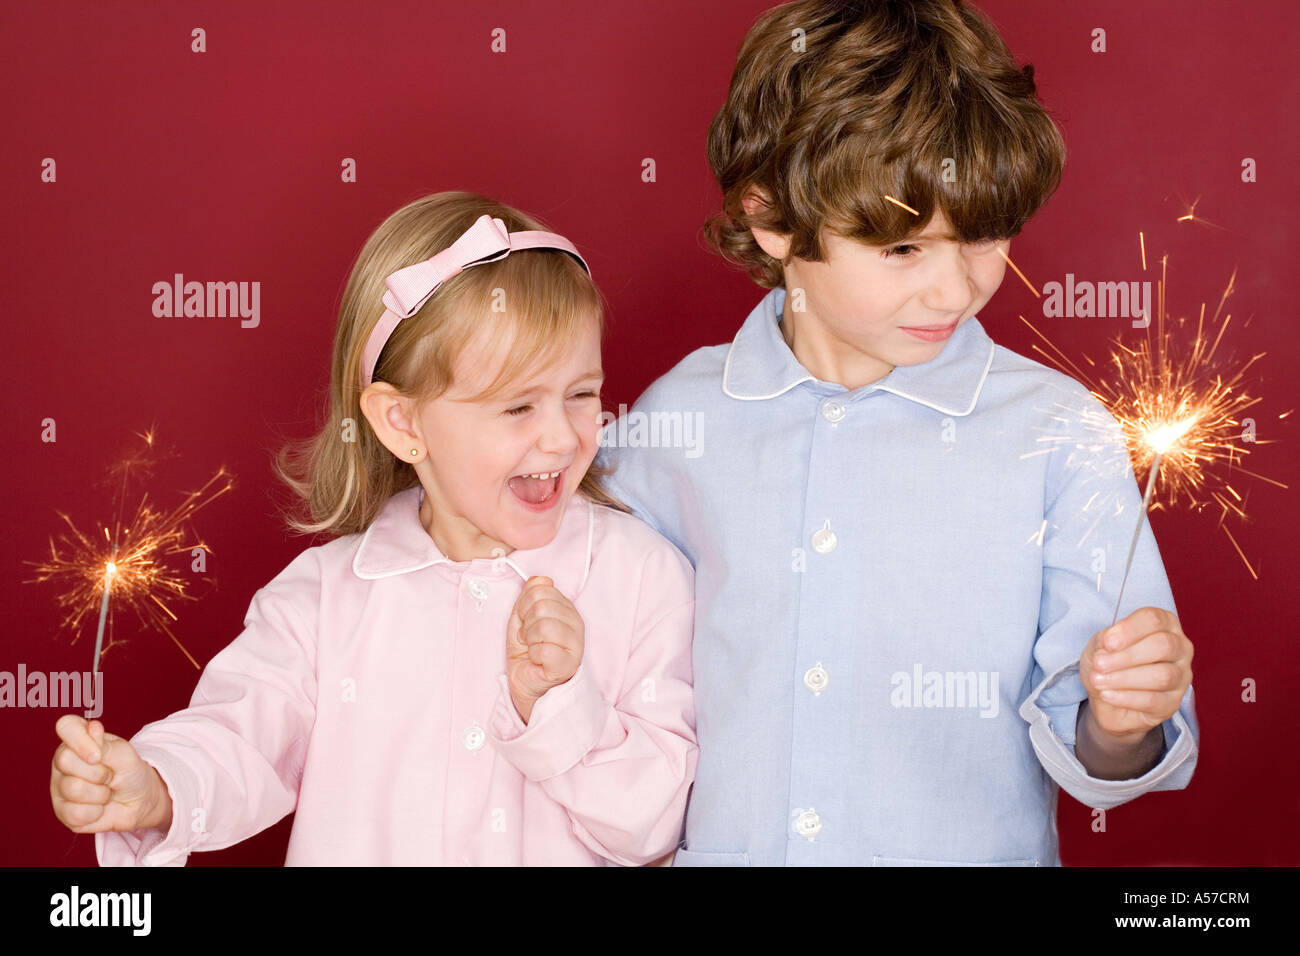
521	409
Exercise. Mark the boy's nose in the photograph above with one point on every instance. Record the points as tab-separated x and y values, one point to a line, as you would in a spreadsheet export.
952	291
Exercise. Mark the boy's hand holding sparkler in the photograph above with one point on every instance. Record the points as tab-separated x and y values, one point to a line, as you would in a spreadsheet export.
1182	416
1135	673
98	782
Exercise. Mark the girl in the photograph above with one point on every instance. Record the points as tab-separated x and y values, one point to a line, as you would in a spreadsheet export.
490	664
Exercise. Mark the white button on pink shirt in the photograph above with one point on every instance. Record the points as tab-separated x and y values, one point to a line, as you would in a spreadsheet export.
368	692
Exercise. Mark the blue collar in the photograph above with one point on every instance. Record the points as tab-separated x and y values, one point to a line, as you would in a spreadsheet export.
760	365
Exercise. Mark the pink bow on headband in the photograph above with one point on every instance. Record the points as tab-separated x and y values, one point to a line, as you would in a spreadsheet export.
487	240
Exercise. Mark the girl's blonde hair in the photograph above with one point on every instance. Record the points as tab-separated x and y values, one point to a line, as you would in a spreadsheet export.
343	475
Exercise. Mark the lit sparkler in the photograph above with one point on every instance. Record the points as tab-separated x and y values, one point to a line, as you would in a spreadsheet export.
128	566
1180	408
1159	440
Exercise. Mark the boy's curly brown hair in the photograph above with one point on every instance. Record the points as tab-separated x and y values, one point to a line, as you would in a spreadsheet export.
835	104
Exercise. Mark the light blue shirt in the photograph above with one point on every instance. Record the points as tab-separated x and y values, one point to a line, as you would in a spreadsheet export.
893	588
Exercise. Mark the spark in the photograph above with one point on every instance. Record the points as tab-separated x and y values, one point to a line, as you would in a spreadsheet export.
1191	216
1179	405
903	205
1019	273
129	563
1241	553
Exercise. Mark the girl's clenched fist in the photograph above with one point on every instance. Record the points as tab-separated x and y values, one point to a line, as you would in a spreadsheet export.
544	642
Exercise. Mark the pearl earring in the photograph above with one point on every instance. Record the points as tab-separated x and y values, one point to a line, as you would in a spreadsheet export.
414	452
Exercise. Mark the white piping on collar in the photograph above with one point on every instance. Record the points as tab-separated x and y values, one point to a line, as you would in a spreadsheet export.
881	388
939	408
591	531
586	569
726	390
443	559
375	576
726	368
726	371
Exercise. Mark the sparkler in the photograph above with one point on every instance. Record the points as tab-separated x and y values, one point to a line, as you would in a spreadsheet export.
1159	439
1180	410
129	565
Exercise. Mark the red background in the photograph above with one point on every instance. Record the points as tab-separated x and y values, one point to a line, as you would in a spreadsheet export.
226	166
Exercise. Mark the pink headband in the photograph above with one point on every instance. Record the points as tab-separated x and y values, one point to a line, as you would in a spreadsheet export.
409	288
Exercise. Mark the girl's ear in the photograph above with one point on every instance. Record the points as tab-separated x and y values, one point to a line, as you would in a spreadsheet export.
389	416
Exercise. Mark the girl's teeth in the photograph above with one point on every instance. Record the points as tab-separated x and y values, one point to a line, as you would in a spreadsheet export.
551	474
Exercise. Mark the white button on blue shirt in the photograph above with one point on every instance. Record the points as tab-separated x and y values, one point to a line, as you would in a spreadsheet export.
808	824
944	541
824	540
816	679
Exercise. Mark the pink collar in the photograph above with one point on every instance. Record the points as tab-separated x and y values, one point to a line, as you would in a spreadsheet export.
396	543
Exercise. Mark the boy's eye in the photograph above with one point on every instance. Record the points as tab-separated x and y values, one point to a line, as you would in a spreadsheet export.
900	252
907	249
586	394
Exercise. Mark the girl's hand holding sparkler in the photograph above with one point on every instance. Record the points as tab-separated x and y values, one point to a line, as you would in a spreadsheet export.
98	782
1136	673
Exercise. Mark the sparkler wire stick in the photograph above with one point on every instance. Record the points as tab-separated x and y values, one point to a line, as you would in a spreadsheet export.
1137	533
103	612
109	568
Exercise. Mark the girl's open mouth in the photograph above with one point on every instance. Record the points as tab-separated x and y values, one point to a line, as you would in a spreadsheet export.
538	491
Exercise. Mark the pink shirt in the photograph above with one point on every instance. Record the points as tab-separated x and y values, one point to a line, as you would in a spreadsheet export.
368	693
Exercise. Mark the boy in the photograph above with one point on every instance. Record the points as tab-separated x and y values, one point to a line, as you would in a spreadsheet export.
908	541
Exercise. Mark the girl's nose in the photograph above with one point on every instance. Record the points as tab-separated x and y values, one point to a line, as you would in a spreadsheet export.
558	436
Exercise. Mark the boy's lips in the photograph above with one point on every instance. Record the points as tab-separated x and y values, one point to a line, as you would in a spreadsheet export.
931	333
